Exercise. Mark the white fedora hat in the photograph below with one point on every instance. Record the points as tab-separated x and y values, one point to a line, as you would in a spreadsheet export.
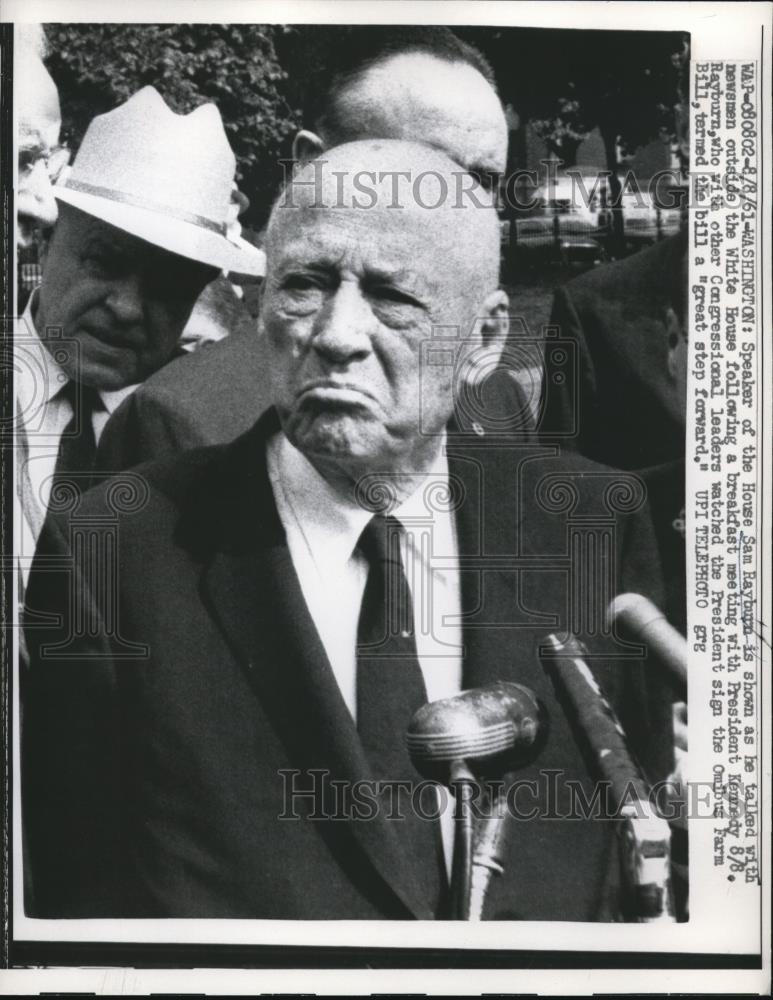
162	177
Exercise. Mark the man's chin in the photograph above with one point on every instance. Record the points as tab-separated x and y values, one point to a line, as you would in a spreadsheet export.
336	436
103	375
107	366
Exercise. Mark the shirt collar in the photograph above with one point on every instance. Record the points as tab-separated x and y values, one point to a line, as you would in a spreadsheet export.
35	390
112	399
330	523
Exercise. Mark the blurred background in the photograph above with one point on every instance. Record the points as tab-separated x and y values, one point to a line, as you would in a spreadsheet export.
594	117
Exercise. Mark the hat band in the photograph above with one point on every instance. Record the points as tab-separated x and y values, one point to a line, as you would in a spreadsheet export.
126	199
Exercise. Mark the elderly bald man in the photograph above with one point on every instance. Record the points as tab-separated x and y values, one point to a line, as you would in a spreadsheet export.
416	83
241	696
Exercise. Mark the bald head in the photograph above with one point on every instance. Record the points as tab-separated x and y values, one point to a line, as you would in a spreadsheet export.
372	256
416	84
415	96
410	190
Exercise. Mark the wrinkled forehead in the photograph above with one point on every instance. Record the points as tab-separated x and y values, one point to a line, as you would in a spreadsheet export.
399	208
429	248
358	241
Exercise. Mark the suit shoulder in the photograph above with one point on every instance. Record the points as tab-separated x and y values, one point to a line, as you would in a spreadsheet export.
572	463
199	480
147	488
207	369
591	482
647	273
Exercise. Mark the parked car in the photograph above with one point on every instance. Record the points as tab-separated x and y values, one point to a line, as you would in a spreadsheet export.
542	241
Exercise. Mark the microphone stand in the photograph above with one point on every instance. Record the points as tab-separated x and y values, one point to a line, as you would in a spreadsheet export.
487	855
477	847
463	783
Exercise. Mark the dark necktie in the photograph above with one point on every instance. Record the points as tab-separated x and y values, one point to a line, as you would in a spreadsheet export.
390	687
78	444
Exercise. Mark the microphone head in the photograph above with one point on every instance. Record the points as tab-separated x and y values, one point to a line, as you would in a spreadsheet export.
494	729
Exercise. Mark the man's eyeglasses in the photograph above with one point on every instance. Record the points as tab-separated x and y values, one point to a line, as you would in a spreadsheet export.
55	160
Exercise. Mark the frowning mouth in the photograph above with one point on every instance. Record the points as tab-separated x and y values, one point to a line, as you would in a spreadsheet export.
334	392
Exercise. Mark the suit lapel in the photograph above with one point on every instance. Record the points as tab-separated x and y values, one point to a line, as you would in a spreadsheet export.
498	633
252	590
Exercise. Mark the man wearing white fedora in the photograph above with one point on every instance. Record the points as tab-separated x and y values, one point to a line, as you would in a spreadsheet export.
143	227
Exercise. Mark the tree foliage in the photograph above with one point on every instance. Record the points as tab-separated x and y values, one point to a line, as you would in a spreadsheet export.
565	129
565	82
568	82
98	66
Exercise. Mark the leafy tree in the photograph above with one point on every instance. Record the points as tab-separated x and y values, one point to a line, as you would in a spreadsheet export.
565	130
565	82
98	66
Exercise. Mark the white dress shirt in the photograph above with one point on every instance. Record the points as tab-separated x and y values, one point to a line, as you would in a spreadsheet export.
322	533
42	413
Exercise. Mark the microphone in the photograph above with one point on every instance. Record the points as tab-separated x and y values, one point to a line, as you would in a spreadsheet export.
493	729
645	836
480	733
643	622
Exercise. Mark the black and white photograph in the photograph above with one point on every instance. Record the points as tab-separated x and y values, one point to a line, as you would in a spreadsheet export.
384	410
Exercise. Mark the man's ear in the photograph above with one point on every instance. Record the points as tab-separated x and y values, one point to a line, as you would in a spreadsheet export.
307	146
495	320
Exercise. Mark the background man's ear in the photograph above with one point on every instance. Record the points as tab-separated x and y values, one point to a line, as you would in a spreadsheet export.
307	146
495	320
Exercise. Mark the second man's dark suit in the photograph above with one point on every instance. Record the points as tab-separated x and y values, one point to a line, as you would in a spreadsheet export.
209	396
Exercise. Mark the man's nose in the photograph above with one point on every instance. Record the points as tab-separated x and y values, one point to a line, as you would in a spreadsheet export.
40	194
126	299
342	328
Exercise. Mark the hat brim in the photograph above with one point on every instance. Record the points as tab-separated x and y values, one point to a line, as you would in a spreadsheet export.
175	235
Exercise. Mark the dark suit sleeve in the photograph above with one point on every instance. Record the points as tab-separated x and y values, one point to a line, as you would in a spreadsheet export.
145	427
567	412
70	759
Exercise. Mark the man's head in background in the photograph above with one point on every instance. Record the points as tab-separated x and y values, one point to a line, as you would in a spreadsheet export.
142	229
39	121
352	297
417	83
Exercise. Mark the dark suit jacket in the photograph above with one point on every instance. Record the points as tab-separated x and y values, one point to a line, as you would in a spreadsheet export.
209	396
616	404
157	728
